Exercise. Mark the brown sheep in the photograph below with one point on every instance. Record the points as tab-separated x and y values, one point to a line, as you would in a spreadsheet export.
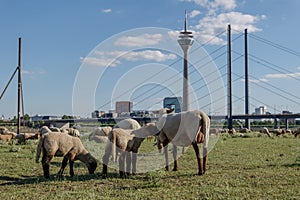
6	137
128	143
63	145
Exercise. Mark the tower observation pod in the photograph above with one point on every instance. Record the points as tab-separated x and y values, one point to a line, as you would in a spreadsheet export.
185	40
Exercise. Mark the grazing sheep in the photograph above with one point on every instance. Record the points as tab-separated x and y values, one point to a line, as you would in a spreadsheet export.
184	129
27	136
73	132
61	144
3	130
7	137
128	124
128	143
232	131
265	130
100	134
244	130
279	131
214	131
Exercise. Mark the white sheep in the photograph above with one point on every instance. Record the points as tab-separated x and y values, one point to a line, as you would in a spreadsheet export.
128	124
128	143
100	134
265	130
61	144
184	129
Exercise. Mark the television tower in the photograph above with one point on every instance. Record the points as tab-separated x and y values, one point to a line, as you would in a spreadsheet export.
185	40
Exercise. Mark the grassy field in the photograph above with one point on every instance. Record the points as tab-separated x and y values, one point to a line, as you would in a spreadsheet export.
239	168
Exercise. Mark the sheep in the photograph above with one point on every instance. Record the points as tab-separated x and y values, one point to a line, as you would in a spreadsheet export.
3	130
128	143
128	124
183	129
7	137
214	131
73	132
27	136
244	130
100	134
64	145
265	130
232	131
279	131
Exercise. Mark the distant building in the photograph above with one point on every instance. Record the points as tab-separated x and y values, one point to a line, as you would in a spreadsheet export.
123	107
261	110
173	102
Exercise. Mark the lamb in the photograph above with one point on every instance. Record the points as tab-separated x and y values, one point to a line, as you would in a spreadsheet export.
127	141
64	145
184	129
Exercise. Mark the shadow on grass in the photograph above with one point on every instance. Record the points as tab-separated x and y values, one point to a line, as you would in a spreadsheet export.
39	179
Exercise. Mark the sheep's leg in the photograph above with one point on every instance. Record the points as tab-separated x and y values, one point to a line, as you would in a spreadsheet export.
175	158
63	166
128	162
205	159
199	160
105	159
71	163
122	163
166	157
134	159
46	165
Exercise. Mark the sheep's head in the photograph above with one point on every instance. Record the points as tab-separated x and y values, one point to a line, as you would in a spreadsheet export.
91	165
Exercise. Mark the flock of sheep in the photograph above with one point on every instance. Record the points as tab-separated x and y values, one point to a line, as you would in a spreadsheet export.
125	138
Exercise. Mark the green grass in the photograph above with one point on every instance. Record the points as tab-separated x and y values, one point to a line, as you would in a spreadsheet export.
253	167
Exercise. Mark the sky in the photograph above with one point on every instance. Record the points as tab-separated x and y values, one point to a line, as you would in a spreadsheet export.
80	56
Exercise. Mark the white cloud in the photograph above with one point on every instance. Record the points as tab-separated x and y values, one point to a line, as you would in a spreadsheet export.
153	55
210	26
258	80
100	62
216	5
157	56
194	13
27	72
289	75
114	58
138	41
106	10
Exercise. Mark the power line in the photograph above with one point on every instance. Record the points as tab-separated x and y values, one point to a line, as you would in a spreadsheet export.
273	44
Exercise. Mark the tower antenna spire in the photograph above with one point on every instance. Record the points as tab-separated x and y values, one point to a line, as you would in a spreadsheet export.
185	22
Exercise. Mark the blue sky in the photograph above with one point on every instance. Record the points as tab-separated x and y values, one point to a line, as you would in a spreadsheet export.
61	39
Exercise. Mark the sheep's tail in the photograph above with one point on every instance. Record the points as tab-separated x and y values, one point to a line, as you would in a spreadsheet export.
39	149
